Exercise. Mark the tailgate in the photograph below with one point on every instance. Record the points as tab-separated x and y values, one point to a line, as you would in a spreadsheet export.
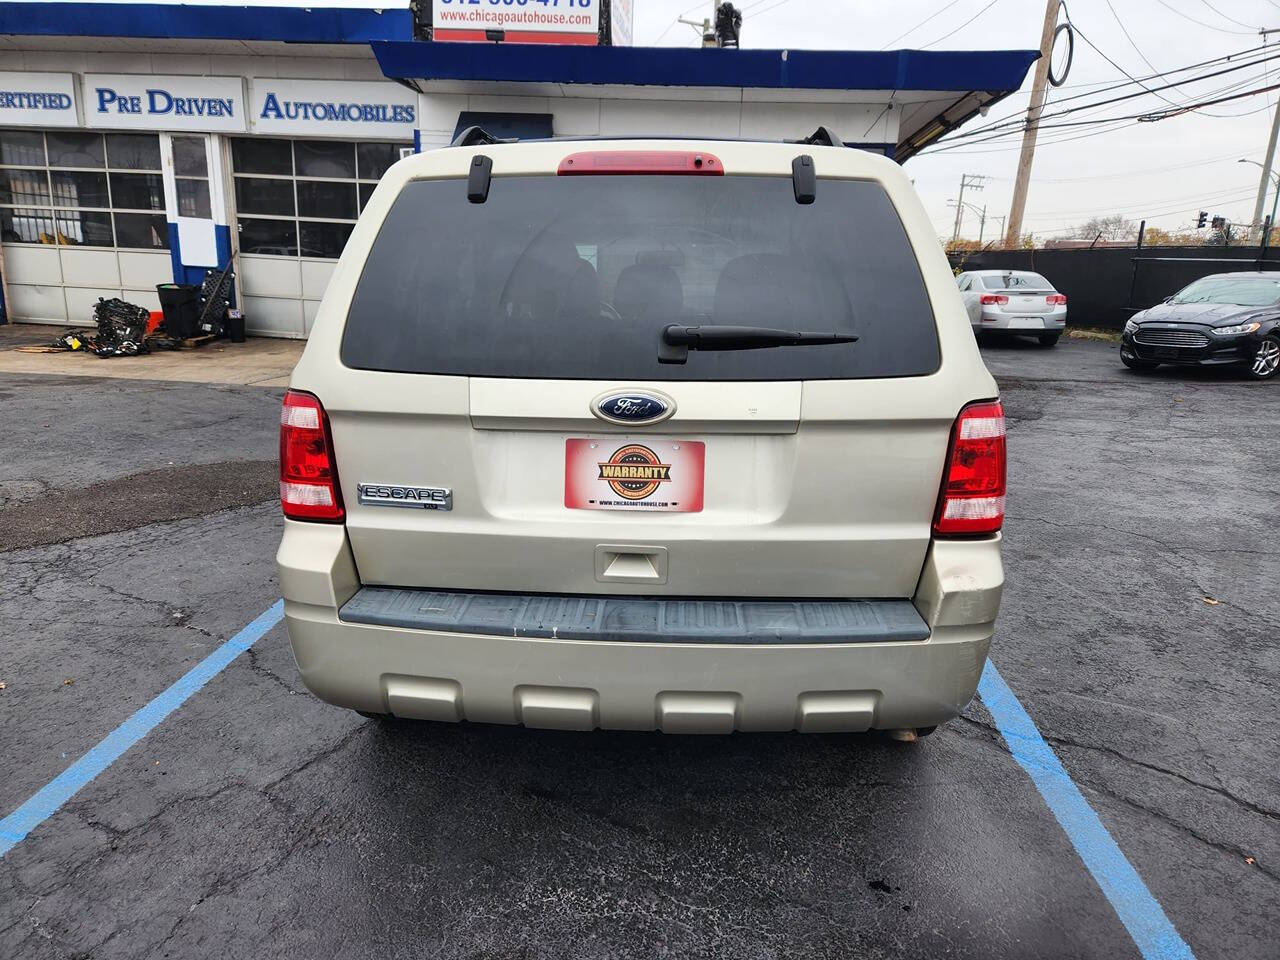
798	496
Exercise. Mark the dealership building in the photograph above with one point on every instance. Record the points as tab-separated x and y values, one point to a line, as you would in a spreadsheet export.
142	143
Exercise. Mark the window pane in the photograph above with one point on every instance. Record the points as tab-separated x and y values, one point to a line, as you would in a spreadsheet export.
133	151
137	191
325	158
24	186
324	239
74	149
375	158
278	238
26	226
366	191
256	195
193	198
22	146
79	227
261	156
472	289
323	198
189	157
146	230
75	188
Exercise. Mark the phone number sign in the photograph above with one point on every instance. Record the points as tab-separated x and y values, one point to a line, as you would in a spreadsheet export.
452	18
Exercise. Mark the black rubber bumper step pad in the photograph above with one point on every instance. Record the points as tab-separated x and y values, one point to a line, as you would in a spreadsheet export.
638	620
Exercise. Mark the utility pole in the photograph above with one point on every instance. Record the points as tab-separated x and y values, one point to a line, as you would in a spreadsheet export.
707	28
1002	219
971	181
1264	182
982	224
1038	84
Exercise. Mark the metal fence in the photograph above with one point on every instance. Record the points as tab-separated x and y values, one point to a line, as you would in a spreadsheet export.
1106	286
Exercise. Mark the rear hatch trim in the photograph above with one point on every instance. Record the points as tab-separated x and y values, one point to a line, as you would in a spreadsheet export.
639	619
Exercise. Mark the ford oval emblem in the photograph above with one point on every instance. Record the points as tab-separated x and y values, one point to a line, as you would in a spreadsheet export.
634	408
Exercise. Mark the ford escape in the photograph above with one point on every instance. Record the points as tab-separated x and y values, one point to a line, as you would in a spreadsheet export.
671	435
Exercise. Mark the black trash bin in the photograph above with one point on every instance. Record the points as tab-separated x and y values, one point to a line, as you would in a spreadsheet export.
235	326
180	303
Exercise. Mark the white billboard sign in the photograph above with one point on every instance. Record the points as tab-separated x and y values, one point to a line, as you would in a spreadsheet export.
38	100
517	16
324	108
117	101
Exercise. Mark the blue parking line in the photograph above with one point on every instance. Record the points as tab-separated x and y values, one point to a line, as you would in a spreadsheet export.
49	798
1133	903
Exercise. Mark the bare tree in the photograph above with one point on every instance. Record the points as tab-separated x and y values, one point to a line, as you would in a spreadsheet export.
1114	227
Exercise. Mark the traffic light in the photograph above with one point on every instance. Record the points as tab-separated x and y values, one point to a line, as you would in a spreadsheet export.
1201	220
1218	223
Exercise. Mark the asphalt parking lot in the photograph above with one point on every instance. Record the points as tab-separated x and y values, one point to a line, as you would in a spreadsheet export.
1140	630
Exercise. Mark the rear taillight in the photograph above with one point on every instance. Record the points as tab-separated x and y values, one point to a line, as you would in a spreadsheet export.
308	474
993	299
1055	300
972	500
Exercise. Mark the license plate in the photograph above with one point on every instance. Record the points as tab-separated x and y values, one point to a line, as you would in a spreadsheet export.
1167	353
1026	323
622	473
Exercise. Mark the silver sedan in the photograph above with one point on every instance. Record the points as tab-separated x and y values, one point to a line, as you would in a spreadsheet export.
1013	302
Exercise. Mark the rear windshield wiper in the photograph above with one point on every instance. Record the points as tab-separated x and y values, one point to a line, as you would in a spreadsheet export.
678	340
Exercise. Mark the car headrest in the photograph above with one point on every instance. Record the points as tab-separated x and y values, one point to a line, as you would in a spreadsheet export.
648	291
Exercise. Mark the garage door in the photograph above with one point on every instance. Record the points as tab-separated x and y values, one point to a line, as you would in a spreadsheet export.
296	202
81	217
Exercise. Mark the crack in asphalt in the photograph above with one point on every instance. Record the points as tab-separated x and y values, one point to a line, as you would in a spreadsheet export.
1236	852
268	674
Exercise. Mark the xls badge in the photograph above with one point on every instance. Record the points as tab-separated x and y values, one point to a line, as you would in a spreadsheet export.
635	472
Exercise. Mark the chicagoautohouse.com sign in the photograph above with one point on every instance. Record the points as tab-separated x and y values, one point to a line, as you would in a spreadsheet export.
517	16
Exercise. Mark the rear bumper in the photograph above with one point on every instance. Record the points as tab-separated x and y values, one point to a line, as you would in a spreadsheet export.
676	687
996	320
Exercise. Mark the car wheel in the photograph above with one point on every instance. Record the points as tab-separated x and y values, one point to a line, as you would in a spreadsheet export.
1049	339
1266	359
1133	363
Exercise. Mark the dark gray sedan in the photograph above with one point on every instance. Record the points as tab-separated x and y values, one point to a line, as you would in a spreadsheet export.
1221	320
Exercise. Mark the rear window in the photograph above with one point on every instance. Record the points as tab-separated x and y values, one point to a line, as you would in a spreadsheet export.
576	277
1017	281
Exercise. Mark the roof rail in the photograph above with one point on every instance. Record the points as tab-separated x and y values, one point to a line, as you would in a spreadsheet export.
478	137
822	137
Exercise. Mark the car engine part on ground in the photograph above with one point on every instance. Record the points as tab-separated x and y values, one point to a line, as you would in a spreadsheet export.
122	330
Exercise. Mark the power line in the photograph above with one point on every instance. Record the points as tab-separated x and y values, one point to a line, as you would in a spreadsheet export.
1016	123
1270	53
760	13
1157	115
941	10
1207	26
962	26
1133	173
677	20
1238	23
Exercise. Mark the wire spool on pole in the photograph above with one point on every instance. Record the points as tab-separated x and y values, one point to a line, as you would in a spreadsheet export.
1070	31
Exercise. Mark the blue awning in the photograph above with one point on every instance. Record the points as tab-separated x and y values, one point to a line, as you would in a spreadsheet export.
963	70
207	22
934	92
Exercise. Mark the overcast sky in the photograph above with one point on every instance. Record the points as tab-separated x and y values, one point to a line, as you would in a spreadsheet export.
1163	171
